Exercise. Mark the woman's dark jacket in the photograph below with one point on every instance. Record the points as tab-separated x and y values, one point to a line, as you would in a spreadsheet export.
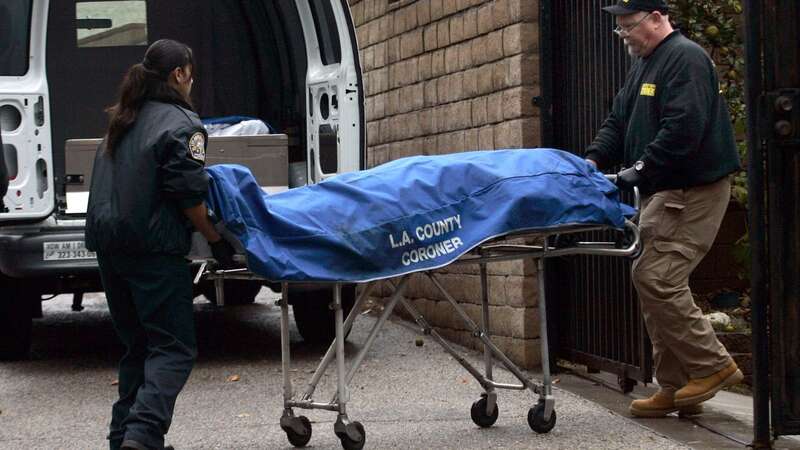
137	194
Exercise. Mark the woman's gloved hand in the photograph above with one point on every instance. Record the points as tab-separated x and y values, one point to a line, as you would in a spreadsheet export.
223	252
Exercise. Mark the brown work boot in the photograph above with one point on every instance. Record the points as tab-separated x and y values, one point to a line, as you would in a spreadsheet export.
661	404
701	389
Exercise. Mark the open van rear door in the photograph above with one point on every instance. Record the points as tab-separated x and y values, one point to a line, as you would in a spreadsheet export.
24	110
334	92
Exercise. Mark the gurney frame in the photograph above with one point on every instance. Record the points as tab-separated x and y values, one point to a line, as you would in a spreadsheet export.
484	412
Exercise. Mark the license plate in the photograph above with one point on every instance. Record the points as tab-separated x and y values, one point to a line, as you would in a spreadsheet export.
60	251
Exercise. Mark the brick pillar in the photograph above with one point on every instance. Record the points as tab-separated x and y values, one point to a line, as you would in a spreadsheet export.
444	76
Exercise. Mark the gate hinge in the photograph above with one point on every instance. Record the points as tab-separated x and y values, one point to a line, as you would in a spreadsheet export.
781	116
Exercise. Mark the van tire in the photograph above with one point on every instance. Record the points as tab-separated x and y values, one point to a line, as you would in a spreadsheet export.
314	317
16	323
237	292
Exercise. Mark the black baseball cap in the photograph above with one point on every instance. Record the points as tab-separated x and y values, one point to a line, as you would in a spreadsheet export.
625	7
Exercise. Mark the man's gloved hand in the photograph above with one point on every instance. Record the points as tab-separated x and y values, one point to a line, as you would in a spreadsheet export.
628	178
223	252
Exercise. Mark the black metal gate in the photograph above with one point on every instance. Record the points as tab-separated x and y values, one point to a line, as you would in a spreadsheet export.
596	319
773	87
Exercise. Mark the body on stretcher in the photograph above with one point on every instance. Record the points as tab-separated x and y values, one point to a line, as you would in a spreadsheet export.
550	241
484	411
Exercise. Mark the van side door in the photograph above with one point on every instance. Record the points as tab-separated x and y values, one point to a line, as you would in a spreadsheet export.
25	111
334	91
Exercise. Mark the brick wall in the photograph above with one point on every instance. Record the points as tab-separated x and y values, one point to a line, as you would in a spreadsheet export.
445	76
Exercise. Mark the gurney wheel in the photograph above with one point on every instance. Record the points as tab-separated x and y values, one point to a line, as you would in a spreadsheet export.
350	444
300	440
479	416
536	419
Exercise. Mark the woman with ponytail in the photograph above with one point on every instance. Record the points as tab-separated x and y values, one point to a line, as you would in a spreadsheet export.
146	197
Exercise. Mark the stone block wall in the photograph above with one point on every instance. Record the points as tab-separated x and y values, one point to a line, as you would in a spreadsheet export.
444	76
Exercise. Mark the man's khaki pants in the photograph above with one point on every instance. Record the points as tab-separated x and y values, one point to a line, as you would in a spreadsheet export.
677	228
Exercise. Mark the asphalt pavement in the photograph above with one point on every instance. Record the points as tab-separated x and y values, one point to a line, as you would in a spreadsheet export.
407	396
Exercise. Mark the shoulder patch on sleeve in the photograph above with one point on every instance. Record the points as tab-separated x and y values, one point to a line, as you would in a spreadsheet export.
197	146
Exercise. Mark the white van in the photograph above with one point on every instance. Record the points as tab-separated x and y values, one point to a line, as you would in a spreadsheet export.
292	64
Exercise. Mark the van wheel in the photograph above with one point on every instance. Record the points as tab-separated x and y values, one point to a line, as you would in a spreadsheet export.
15	323
237	292
313	316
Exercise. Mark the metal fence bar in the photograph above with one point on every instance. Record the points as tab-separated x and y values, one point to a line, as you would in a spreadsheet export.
599	324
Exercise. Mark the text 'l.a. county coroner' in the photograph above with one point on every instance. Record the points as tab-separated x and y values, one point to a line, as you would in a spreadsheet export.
425	233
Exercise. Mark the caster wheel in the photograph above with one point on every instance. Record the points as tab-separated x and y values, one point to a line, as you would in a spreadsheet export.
350	444
299	440
536	419
479	416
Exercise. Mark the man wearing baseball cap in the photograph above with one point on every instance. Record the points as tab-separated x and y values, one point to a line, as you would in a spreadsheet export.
624	8
671	128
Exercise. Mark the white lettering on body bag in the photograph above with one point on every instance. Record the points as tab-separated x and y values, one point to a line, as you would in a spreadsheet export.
426	232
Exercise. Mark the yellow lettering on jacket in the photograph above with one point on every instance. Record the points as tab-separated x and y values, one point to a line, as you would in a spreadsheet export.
648	89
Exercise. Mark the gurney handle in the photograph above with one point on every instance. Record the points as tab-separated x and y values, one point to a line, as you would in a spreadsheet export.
508	252
636	196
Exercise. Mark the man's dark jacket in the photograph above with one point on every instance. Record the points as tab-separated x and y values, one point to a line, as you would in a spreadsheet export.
670	115
138	194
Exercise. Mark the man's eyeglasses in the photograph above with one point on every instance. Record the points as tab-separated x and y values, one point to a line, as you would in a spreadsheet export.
625	31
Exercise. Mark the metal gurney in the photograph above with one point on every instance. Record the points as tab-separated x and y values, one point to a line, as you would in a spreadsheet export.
474	208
